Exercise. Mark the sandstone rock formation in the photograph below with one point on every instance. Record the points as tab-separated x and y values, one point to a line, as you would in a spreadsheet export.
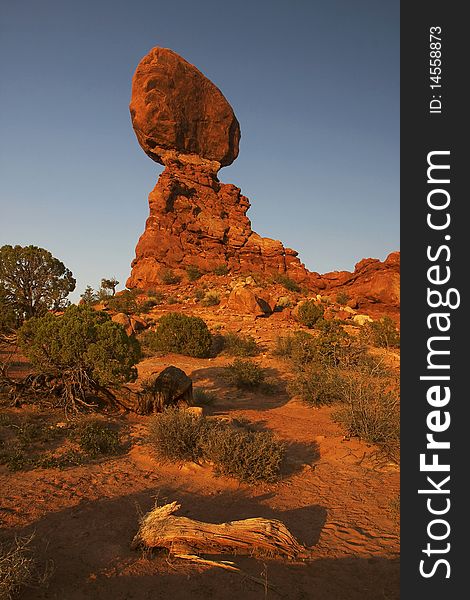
374	285
183	121
176	109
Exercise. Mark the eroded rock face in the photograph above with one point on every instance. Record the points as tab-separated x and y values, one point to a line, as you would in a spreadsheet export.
373	285
196	220
183	121
176	110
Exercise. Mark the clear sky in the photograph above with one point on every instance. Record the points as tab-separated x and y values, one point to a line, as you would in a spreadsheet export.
314	85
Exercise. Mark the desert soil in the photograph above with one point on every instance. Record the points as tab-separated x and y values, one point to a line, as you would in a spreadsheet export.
336	495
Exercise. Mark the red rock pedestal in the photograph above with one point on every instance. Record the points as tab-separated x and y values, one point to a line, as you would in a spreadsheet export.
196	220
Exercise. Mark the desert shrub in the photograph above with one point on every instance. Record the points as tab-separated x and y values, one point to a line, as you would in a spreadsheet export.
309	313
125	302
17	567
299	347
221	269
246	455
245	374
180	333
240	345
342	298
96	437
193	273
177	435
83	349
157	297
199	294
317	385
382	334
287	283
211	298
202	397
168	277
172	300
371	411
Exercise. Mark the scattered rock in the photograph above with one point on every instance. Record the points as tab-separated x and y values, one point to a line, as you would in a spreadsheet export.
242	300
362	319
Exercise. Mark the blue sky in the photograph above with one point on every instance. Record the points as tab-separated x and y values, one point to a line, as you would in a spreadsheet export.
314	85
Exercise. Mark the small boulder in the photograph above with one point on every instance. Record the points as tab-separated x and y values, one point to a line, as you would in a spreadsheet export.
244	301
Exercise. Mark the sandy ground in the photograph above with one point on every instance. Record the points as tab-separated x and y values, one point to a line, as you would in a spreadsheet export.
335	496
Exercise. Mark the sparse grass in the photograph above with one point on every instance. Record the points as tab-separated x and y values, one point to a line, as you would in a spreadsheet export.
203	397
221	269
244	374
17	568
211	298
382	334
371	411
180	333
236	344
247	455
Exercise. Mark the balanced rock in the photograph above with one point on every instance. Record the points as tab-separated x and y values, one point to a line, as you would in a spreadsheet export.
177	111
183	121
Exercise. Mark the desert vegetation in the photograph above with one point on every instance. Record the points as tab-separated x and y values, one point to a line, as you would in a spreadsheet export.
88	361
235	451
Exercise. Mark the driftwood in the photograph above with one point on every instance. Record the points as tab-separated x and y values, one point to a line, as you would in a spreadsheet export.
183	536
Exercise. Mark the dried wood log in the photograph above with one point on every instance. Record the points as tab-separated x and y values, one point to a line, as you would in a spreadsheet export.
181	535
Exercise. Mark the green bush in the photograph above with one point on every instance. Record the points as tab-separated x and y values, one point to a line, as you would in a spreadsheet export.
244	374
193	273
96	437
247	455
287	283
309	313
83	349
180	333
125	302
240	345
168	277
382	334
221	269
